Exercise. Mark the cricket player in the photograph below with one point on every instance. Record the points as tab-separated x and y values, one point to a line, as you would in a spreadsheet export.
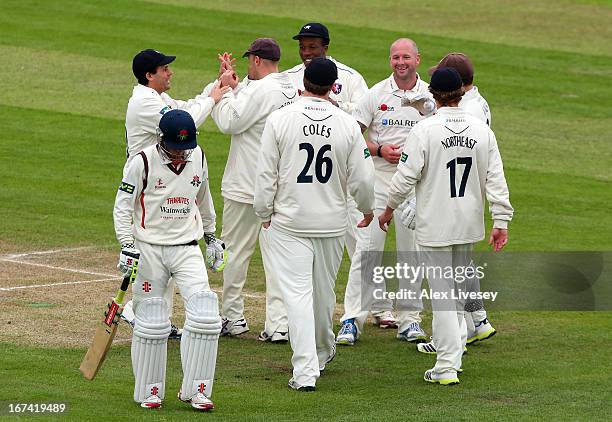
346	92
149	102
162	208
452	162
242	113
314	40
388	111
478	325
312	154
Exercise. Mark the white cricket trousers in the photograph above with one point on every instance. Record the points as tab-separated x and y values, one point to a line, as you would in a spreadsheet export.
307	268
371	239
448	325
157	263
241	229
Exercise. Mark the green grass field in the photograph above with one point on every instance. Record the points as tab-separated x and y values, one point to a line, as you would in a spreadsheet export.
545	68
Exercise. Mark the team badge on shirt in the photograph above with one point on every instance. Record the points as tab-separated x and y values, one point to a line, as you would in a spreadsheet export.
337	88
366	153
404	157
196	181
126	187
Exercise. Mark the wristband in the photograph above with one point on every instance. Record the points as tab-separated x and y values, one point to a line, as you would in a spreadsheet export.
378	151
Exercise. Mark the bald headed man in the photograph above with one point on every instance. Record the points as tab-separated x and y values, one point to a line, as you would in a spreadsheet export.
388	111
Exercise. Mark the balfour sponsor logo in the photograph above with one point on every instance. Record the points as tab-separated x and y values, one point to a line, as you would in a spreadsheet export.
398	122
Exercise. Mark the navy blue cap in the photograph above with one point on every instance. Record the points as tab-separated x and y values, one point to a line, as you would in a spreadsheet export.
148	60
178	130
314	30
445	79
321	71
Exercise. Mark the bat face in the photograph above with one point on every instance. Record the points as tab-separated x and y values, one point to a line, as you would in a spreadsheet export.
103	338
105	333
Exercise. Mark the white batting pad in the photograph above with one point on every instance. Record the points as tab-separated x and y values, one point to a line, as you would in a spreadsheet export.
149	348
199	343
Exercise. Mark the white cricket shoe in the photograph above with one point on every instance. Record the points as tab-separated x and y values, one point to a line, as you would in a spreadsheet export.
430	349
413	334
234	328
304	388
348	334
151	402
483	330
276	337
198	401
280	337
385	319
329	359
445	379
427	348
175	333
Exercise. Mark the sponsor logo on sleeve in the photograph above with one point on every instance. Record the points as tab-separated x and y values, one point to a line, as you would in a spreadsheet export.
164	110
126	187
404	157
366	153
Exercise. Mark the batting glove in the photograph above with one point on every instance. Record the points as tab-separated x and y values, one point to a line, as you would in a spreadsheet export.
408	213
129	254
215	253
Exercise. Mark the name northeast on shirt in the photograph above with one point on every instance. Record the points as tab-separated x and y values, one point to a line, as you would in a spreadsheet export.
458	141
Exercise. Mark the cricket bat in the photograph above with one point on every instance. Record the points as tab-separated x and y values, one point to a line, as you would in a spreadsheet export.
105	333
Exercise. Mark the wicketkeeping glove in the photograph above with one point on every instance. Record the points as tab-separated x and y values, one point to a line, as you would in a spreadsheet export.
129	254
422	103
215	253
408	213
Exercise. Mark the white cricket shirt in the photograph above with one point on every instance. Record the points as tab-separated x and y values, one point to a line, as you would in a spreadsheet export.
346	91
168	204
243	115
145	109
312	154
476	105
453	160
388	122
